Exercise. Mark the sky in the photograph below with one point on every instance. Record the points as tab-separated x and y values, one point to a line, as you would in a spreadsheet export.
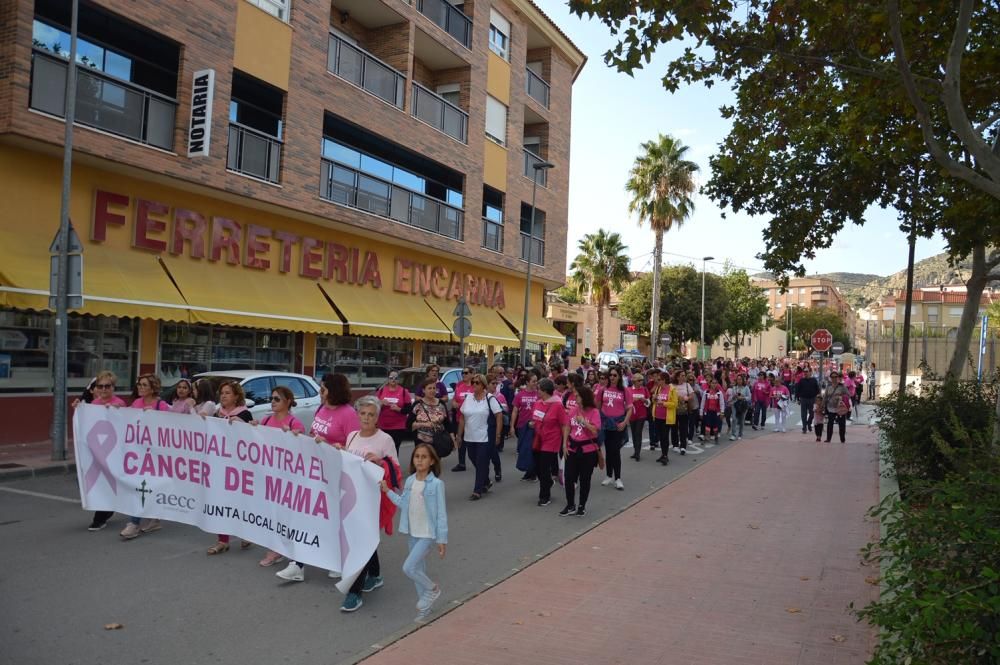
614	113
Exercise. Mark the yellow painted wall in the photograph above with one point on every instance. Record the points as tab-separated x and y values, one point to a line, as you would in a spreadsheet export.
149	341
308	350
263	45
495	166
498	78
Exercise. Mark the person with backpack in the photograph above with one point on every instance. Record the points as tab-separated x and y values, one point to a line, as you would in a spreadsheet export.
474	431
837	403
548	418
396	404
430	420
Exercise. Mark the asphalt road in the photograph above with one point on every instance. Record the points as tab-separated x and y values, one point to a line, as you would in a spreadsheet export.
61	584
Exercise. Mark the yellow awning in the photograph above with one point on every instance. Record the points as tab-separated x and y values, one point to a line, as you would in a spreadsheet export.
224	294
540	330
487	326
386	313
115	282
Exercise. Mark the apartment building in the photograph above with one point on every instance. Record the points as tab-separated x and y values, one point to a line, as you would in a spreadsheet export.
808	292
301	185
930	308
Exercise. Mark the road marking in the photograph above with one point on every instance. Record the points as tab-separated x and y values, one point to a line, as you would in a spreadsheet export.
40	495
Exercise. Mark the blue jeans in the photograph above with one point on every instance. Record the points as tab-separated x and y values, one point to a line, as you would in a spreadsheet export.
480	454
415	566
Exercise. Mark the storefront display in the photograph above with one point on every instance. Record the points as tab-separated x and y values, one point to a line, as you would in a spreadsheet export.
95	343
186	350
366	361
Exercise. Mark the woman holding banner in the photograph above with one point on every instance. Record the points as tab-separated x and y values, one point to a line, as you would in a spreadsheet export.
232	407
282	400
101	391
148	388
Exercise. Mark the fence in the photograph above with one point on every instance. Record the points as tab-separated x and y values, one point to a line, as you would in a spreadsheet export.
932	346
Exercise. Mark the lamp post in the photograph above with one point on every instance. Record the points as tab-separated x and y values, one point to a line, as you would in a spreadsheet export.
537	167
702	343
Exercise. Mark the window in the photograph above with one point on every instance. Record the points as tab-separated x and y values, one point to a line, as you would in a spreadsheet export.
449	92
955	311
255	128
496	121
186	350
276	8
499	35
258	390
366	361
532	237
802	290
492	219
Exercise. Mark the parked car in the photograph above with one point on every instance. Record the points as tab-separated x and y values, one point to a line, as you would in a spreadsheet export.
258	385
607	358
411	378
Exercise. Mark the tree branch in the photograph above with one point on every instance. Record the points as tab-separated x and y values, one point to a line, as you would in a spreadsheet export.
940	155
951	95
982	127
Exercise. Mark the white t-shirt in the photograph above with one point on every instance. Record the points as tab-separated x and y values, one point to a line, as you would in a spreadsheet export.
475	414
419	525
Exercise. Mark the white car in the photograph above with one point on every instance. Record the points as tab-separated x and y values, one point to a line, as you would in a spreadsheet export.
258	384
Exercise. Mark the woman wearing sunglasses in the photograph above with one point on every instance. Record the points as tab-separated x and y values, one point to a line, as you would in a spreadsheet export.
615	403
462	390
102	393
281	416
396	404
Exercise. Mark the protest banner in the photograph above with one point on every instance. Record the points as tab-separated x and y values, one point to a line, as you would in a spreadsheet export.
311	502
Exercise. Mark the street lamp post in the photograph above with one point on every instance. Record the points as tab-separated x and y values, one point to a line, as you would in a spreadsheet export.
537	166
702	343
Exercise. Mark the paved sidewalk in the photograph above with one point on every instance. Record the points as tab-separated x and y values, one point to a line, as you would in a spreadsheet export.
751	558
27	460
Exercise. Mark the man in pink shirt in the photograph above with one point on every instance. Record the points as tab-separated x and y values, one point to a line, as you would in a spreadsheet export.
462	390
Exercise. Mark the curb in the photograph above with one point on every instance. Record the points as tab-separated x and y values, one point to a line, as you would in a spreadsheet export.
54	469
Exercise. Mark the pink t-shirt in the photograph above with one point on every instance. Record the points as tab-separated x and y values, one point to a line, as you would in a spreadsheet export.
613	402
523	401
578	432
158	405
290	421
639	397
462	390
334	423
387	418
114	401
183	406
379	443
549	417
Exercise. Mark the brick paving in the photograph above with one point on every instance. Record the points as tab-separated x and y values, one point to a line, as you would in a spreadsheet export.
751	558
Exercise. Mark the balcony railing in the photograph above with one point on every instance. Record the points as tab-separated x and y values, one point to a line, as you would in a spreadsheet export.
537	88
346	186
104	102
530	159
537	246
253	153
492	235
439	113
358	66
453	21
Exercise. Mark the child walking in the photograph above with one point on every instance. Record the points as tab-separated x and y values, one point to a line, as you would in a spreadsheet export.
423	516
819	409
712	406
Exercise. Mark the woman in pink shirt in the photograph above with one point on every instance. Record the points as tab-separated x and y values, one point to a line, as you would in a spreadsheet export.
524	401
615	403
548	418
336	418
148	388
640	412
581	450
183	401
396	403
102	393
281	417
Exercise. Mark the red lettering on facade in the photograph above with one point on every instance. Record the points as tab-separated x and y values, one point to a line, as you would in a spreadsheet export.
103	215
287	240
456	286
370	273
144	225
256	245
226	237
189	226
310	257
336	262
439	282
403	276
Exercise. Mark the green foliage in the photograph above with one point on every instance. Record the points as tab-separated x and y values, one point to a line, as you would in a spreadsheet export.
746	305
945	429
940	565
661	183
806	320
680	303
599	269
569	294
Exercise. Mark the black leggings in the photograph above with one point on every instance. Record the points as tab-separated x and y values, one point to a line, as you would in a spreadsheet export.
546	464
397	437
372	568
579	467
685	428
613	450
841	426
636	427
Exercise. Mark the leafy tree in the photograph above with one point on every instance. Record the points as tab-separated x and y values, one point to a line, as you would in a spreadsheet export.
806	320
746	307
841	107
680	303
599	269
661	183
568	294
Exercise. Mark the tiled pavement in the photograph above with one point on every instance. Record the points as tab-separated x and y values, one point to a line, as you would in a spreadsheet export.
751	558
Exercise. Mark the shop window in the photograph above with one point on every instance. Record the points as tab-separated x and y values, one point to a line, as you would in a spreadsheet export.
95	343
450	355
366	361
186	350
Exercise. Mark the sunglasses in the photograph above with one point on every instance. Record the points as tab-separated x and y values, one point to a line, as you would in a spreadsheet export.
465	371
393	377
104	386
275	398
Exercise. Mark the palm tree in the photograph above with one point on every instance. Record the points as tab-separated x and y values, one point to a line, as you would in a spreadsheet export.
661	183
600	269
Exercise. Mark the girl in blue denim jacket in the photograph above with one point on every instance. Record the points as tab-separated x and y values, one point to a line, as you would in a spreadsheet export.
423	516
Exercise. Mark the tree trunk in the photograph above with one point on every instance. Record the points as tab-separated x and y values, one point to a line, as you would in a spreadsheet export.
905	355
970	312
600	325
654	316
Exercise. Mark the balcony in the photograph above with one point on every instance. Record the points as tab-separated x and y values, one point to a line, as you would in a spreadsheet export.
253	153
361	68
530	159
536	87
104	102
492	235
439	113
537	246
354	189
449	18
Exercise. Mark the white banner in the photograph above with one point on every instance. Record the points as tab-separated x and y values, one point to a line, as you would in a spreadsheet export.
308	501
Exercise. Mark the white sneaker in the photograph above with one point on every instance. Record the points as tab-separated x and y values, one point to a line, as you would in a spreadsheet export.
607	481
776	429
732	438
675	448
619	485
333	575
738	438
783	429
292	573
428	600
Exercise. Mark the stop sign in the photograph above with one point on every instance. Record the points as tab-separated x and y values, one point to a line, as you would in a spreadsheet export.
821	340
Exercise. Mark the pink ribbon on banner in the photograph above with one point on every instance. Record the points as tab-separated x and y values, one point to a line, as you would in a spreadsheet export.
101	441
347	502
